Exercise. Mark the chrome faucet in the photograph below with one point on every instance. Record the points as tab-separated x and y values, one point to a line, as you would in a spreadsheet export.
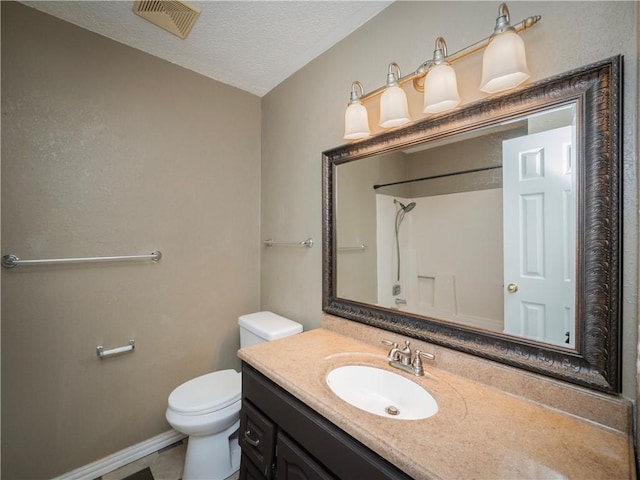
402	358
396	354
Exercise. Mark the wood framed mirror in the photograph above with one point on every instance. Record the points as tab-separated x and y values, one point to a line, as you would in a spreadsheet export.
469	267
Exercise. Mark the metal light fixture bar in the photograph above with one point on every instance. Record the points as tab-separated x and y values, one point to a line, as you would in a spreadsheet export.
418	76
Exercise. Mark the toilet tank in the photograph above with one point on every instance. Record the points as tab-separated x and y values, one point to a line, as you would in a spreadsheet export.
265	327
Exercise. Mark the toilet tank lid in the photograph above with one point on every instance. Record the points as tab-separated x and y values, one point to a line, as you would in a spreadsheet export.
269	325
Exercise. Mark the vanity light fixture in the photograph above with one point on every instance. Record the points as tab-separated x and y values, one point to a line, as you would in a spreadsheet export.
440	83
504	66
394	110
504	63
356	119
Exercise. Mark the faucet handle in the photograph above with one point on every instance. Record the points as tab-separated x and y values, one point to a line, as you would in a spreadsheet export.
417	361
393	352
425	355
390	343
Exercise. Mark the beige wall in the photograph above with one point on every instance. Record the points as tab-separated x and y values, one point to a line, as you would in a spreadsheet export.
107	150
357	272
304	116
636	308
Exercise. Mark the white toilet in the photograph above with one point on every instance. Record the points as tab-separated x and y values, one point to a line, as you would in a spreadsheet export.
207	408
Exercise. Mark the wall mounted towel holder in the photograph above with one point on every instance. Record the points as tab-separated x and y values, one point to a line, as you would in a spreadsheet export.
362	248
306	243
10	260
102	353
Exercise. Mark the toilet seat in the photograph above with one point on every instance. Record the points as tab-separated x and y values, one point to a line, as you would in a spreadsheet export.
207	393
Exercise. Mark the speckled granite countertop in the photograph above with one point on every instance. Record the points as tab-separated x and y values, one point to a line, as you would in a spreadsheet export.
479	432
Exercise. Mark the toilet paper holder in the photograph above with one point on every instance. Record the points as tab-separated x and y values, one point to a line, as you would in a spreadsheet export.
102	353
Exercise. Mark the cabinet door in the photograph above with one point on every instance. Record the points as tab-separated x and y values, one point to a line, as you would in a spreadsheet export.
257	438
248	471
294	464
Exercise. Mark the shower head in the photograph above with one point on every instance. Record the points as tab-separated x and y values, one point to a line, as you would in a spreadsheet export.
405	208
399	218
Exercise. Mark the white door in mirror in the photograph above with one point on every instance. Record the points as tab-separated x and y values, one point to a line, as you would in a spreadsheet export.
381	392
539	236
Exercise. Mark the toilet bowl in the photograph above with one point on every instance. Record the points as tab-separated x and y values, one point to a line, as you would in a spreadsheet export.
207	408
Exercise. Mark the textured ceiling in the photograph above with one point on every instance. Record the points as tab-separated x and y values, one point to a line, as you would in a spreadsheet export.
252	45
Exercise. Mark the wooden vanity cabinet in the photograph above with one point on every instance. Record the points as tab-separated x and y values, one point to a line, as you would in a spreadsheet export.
284	439
258	439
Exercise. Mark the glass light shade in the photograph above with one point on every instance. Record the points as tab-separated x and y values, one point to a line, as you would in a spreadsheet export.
394	110
440	89
356	122
504	63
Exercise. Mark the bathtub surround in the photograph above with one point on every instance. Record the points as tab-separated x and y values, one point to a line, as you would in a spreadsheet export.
107	150
437	277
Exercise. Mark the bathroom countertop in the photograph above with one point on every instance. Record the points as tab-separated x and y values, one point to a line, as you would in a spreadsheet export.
479	431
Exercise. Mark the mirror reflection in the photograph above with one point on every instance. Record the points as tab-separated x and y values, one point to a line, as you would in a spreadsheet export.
478	229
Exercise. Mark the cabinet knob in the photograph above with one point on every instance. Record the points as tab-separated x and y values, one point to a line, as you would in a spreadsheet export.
249	440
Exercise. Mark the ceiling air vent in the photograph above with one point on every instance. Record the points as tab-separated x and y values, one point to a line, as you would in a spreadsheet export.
174	16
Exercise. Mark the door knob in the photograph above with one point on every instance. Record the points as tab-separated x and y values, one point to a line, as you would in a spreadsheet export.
512	288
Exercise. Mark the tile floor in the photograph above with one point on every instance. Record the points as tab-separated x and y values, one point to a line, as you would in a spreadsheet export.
165	464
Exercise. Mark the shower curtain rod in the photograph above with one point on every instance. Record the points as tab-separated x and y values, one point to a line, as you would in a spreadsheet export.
462	172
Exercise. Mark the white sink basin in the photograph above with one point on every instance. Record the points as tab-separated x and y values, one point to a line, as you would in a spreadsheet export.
381	392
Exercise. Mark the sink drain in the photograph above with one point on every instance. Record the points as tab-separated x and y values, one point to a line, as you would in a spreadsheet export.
391	410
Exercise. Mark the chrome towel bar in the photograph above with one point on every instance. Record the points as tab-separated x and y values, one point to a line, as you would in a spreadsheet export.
102	353
10	260
362	247
306	243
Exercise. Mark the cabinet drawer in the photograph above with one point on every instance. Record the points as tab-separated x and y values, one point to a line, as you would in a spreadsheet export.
257	438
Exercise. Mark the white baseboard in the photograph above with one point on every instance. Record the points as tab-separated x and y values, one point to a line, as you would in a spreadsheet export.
123	457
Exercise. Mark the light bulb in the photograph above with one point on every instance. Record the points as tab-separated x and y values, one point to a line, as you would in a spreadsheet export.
440	89
504	63
394	110
356	122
